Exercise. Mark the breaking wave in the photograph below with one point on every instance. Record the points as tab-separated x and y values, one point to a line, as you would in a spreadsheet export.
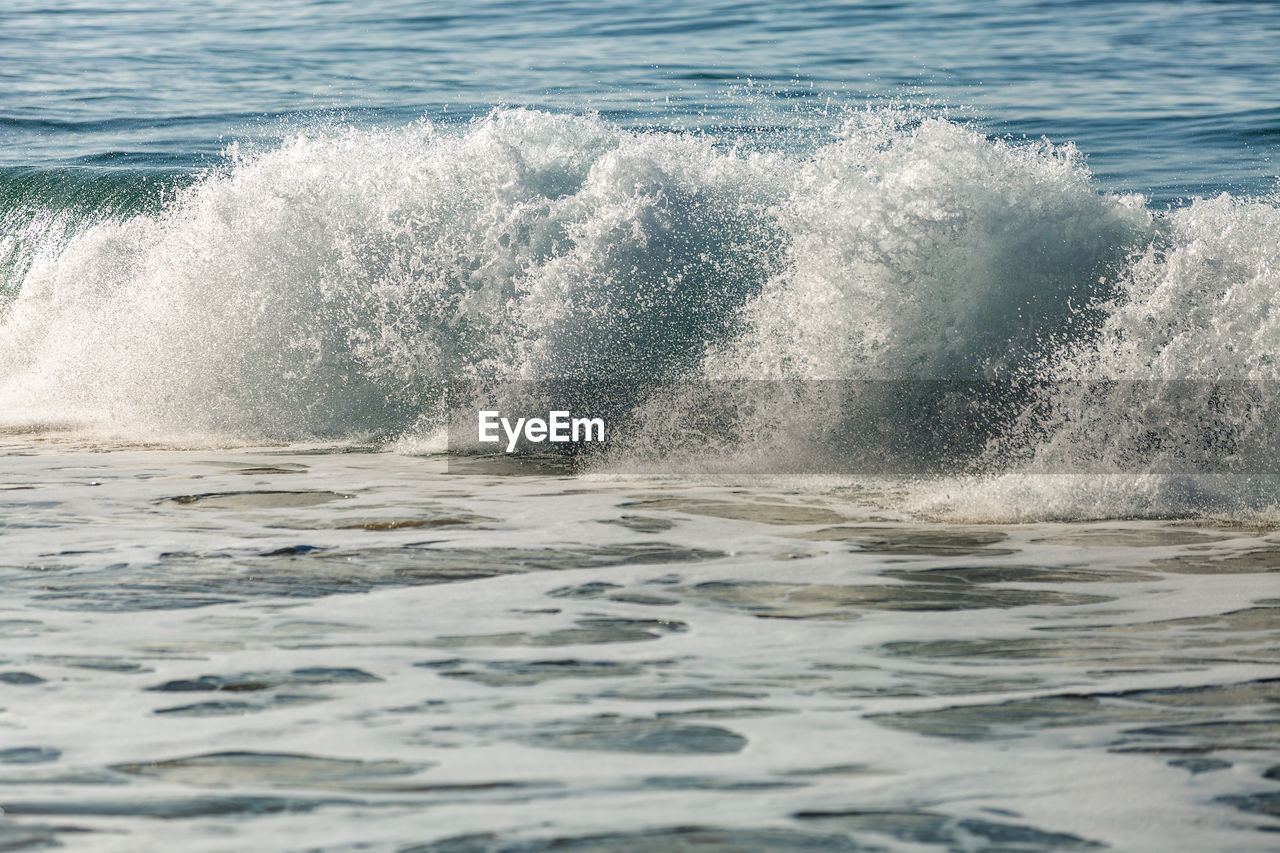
332	287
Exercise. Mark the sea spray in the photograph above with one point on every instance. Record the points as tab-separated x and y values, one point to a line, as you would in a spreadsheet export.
333	286
330	287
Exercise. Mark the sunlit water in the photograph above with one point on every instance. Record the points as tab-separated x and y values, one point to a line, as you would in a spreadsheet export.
284	649
249	604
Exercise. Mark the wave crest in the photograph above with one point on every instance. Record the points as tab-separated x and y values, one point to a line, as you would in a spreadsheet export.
333	286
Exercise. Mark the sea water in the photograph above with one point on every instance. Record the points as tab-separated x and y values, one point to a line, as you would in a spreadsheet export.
257	596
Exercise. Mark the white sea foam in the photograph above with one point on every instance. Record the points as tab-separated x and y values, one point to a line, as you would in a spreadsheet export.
329	287
332	286
919	249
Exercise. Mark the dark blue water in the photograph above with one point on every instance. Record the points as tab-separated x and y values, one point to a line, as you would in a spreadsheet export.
1173	99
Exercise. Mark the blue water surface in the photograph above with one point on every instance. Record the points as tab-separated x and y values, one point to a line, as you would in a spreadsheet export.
1174	98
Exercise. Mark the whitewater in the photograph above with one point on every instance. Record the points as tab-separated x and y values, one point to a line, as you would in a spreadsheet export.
331	288
934	504
272	599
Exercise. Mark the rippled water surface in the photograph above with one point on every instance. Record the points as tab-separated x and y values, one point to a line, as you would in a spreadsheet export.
284	649
1168	98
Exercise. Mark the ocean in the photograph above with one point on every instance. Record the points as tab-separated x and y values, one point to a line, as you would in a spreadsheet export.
935	349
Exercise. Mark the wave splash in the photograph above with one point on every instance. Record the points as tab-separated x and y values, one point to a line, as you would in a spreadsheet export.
331	287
